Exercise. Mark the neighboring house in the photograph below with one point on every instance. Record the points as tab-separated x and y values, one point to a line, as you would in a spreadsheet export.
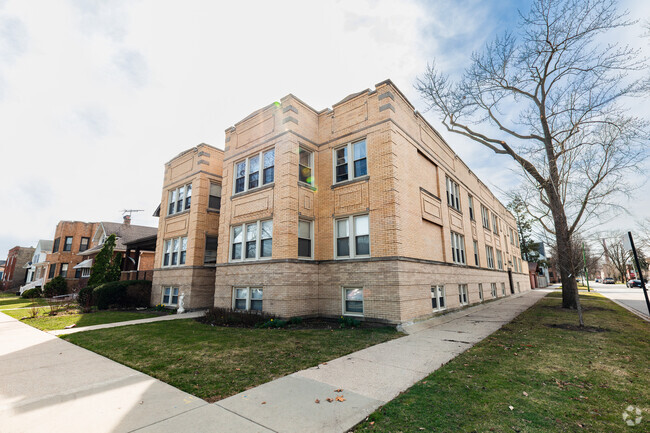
37	268
2	268
360	210
139	257
189	225
70	238
15	272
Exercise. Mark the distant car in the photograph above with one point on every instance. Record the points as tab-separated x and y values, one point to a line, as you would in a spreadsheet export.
598	280
634	283
608	281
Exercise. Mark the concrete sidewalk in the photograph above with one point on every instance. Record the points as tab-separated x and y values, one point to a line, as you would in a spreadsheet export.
47	383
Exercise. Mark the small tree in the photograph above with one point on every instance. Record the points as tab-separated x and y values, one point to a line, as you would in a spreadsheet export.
55	287
525	229
106	267
618	256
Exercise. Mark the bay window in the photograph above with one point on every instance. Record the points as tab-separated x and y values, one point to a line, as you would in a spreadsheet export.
179	199
174	251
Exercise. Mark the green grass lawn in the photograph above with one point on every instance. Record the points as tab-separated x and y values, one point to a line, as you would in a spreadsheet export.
216	362
9	300
536	374
61	320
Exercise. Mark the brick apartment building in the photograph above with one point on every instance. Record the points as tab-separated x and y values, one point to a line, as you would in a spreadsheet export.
359	210
15	273
70	239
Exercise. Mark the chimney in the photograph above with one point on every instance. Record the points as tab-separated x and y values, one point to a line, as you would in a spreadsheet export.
127	220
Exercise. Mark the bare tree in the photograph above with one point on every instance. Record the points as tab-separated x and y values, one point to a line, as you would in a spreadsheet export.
617	255
550	98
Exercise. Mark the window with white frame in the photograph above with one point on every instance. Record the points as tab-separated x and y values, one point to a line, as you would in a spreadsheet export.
67	245
170	296
499	260
353	236
254	171
512	235
493	289
252	241
480	292
85	272
214	199
458	248
489	252
495	224
247	298
438	298
485	217
515	264
477	261
470	201
64	270
453	194
174	251
344	169
463	296
305	236
353	301
503	289
179	199
305	166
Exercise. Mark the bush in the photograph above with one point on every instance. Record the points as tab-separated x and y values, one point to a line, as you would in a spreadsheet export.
273	323
348	322
229	317
55	287
32	293
85	298
122	294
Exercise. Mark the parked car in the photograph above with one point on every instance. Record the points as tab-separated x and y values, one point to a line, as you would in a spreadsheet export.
634	283
598	280
609	281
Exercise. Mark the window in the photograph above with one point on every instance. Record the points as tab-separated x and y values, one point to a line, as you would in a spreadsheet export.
67	245
485	217
518	288
477	262
458	248
512	236
258	242
247	172
480	292
170	296
174	251
453	194
210	255
489	252
85	272
499	260
503	289
493	289
360	233
470	200
343	171
52	269
179	199
495	225
305	166
55	247
214	200
462	294
516	264
247	298
305	234
64	270
77	273
438	298
353	301
83	245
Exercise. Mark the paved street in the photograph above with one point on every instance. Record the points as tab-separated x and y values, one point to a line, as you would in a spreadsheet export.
48	384
631	297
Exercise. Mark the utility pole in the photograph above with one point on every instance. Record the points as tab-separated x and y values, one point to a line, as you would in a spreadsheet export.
584	259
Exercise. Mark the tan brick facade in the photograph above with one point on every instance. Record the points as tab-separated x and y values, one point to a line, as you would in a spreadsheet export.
403	192
198	167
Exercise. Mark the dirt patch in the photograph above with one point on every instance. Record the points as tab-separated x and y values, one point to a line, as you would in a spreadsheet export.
584	308
578	328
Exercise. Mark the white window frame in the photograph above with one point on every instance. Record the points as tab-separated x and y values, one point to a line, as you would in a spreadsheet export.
438	293
310	166
489	252
453	194
350	161
463	294
344	310
499	260
249	297
493	290
173	292
216	185
261	168
175	192
485	216
470	202
477	257
480	292
258	241
179	252
352	237
311	239
61	270
458	248
85	272
495	224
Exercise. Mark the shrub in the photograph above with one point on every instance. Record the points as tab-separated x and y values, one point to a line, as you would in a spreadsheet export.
229	317
273	323
348	322
32	293
85	298
124	294
55	287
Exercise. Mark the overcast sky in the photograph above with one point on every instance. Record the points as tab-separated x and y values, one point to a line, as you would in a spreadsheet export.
95	96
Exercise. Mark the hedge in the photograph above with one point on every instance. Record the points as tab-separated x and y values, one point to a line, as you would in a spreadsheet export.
122	294
32	293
